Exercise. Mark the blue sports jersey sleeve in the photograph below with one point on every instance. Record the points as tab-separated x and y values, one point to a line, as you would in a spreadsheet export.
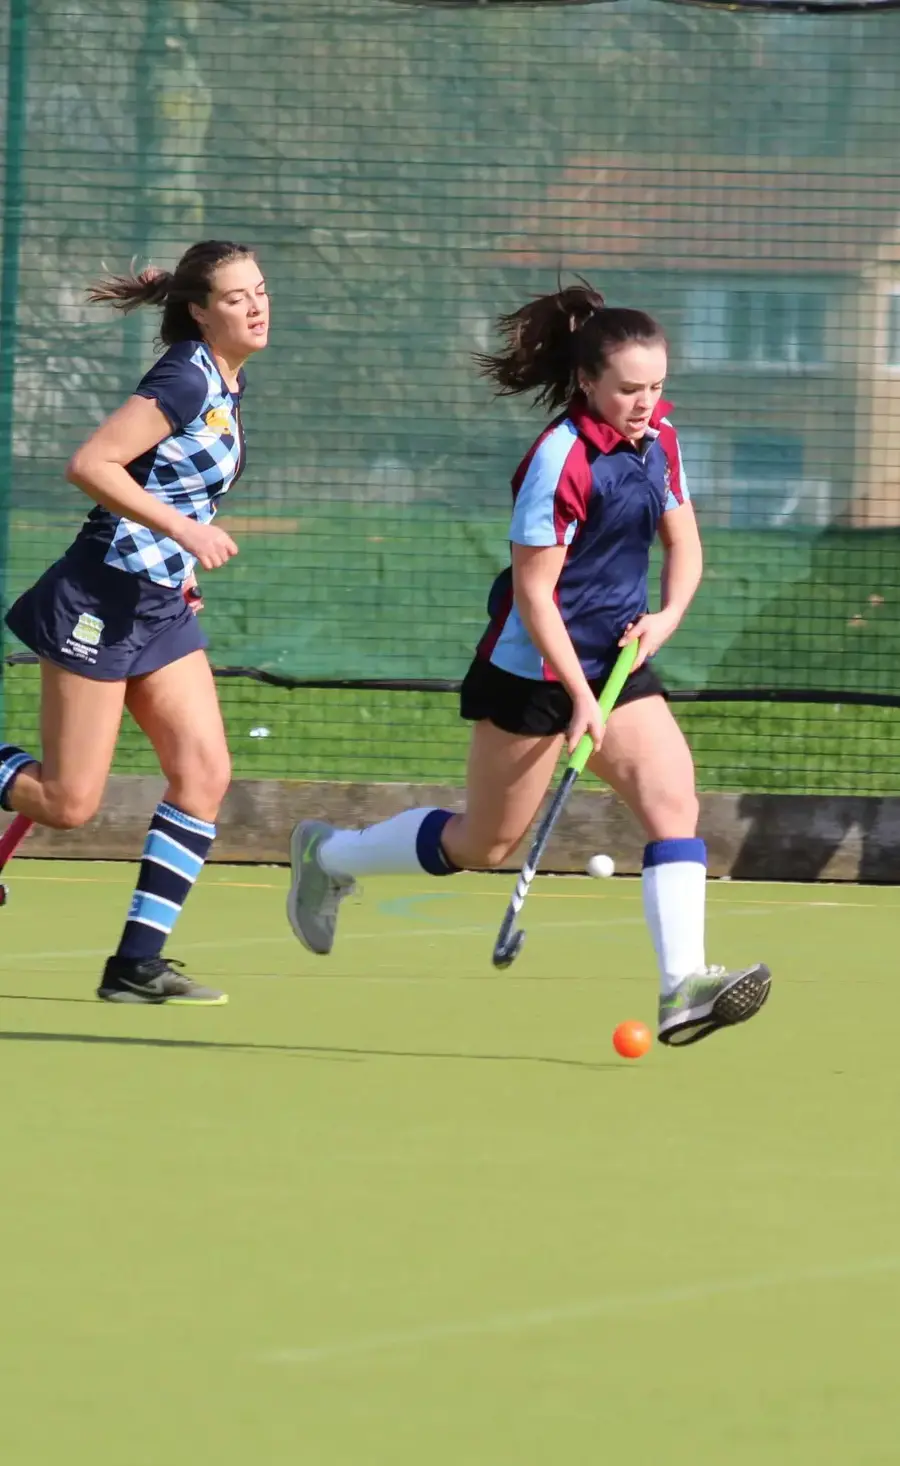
677	491
675	501
549	503
178	384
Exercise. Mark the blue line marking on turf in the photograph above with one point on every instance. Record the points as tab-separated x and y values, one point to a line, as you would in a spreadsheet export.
408	906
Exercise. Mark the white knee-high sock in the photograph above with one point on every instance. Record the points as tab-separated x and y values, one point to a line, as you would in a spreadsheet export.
409	842
673	884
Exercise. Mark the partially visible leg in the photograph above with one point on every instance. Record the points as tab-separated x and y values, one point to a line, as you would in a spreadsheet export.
80	720
177	707
645	758
507	779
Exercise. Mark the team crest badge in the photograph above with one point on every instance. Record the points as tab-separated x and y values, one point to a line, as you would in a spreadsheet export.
87	630
217	419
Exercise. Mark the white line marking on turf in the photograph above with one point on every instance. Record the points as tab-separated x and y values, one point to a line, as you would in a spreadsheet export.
605	1307
12	959
390	934
536	895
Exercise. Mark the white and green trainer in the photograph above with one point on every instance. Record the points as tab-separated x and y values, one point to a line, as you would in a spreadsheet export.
710	1000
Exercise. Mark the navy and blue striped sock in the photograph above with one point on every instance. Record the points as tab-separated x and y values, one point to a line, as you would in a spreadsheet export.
175	850
12	760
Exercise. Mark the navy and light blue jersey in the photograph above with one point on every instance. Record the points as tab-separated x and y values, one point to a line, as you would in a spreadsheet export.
585	486
191	469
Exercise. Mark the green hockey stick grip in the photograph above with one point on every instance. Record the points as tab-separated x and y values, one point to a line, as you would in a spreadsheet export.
606	702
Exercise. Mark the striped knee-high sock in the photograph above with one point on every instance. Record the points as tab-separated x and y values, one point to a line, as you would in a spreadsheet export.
12	761
175	850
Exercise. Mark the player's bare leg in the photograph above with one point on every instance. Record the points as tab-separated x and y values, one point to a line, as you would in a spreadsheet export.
645	758
178	709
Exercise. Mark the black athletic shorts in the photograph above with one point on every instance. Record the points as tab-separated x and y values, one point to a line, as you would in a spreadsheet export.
535	709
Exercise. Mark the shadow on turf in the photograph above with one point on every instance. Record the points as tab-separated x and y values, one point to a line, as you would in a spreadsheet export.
307	1051
41	998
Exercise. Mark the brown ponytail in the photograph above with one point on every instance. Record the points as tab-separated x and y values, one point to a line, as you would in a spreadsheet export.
176	292
127	292
549	340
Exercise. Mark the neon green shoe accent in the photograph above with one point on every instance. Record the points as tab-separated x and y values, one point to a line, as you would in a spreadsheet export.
711	1000
315	896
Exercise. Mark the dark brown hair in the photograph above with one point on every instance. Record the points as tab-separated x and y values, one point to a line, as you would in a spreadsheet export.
175	291
549	340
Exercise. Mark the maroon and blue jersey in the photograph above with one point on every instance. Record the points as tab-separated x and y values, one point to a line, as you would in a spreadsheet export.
585	486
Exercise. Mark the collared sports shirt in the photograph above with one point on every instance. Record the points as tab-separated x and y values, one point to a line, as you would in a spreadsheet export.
191	469
585	486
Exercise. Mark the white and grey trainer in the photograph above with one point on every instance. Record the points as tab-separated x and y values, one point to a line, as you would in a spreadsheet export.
315	896
711	1000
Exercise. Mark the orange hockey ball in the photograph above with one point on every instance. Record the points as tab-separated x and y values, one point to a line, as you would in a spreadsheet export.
632	1039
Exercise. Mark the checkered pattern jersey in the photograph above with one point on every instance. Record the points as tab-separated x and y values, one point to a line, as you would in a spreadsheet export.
191	469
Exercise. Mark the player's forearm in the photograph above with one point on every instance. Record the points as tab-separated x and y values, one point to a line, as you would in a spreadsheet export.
545	626
112	486
682	571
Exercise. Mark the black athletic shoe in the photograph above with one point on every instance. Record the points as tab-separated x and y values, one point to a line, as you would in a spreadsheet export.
155	980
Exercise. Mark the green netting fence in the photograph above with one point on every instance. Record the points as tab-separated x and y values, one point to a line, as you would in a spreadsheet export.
406	172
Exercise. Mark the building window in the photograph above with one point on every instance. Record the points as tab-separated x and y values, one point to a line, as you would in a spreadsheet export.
705	455
706	325
758	328
767	470
893	329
